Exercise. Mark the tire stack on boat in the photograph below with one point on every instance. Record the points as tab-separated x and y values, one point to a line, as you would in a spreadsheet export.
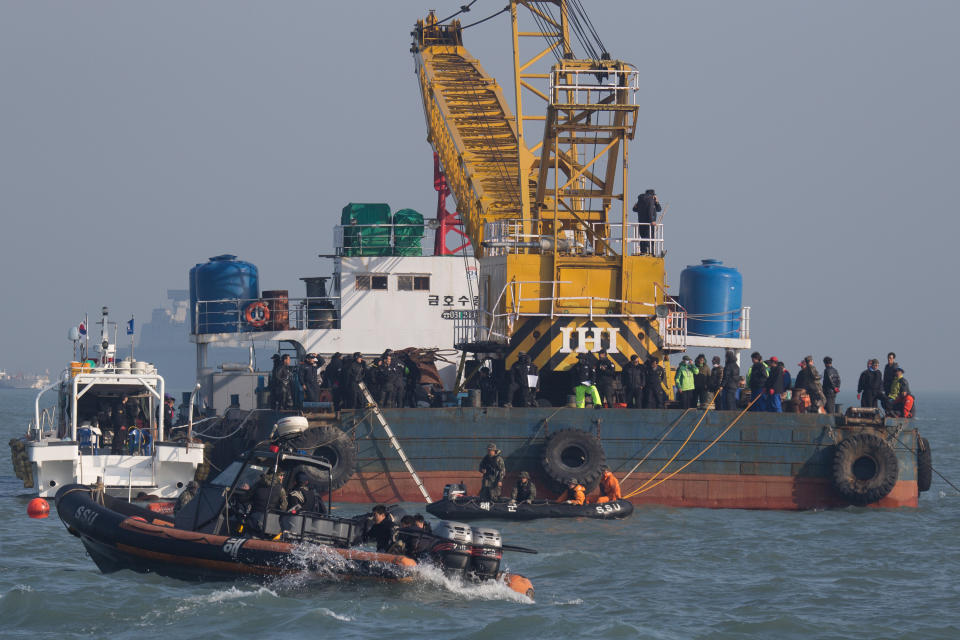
21	464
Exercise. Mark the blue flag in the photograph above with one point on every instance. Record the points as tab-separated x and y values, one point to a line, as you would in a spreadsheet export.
130	327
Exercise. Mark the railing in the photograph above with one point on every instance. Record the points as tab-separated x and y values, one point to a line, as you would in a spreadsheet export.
675	326
512	236
584	87
387	239
265	314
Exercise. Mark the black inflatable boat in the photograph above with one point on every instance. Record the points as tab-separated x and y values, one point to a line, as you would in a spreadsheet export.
472	508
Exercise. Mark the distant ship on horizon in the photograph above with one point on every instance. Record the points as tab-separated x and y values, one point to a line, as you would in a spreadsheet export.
23	380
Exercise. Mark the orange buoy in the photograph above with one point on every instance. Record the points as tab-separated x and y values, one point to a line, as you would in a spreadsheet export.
38	508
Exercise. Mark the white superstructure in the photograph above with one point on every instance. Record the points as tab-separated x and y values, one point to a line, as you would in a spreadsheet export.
375	303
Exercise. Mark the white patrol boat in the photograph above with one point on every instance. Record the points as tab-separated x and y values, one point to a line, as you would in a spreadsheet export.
73	439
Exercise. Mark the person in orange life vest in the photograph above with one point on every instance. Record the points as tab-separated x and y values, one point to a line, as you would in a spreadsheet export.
609	488
575	493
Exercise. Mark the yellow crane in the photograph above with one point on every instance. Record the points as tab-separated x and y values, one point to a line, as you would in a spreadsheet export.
562	268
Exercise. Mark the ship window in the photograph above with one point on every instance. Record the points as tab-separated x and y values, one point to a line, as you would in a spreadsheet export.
371	283
413	283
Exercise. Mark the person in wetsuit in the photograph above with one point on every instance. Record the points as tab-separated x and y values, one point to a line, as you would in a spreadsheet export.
379	528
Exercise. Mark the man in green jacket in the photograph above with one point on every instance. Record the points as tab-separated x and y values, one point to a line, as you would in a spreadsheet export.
684	380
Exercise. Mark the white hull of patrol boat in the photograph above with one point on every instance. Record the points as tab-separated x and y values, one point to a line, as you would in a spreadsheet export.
163	475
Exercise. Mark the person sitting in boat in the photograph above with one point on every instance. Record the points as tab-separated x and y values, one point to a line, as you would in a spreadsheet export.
303	497
524	490
379	528
188	494
609	487
493	469
267	494
421	523
575	493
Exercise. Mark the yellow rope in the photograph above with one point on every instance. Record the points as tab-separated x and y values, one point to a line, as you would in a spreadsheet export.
646	488
674	457
654	448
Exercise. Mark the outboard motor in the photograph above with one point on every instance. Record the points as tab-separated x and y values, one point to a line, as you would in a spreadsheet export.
454	491
486	553
455	548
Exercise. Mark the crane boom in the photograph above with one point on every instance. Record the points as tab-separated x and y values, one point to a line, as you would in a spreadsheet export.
562	270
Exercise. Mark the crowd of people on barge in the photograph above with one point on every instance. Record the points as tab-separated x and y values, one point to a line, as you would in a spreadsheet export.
763	384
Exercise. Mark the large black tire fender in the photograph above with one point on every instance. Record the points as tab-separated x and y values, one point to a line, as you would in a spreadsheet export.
924	465
864	469
572	453
338	449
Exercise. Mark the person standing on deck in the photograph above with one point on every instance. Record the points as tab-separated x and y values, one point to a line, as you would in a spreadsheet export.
308	378
647	208
685	384
351	377
488	388
493	469
889	372
774	386
585	374
633	380
653	384
831	385
757	376
520	374
713	382
606	372
331	379
729	382
870	385
700	379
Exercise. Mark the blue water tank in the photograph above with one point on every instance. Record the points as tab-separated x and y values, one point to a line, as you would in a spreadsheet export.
712	294
193	297
223	278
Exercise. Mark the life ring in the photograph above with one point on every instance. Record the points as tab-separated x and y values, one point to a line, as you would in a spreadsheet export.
335	447
257	314
864	469
573	453
924	465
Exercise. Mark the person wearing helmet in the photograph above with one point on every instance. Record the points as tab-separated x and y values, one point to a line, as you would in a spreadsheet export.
493	469
303	498
609	487
524	490
575	493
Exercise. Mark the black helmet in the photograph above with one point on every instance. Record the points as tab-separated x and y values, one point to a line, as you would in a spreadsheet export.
302	478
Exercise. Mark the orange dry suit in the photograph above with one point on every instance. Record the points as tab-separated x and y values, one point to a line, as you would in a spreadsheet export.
609	488
577	495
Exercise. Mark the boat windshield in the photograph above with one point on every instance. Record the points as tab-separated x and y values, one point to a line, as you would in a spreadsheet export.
251	473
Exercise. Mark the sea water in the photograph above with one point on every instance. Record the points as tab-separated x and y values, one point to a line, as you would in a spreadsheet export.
663	573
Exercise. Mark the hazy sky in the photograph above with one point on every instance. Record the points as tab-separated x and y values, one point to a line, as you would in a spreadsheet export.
813	145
